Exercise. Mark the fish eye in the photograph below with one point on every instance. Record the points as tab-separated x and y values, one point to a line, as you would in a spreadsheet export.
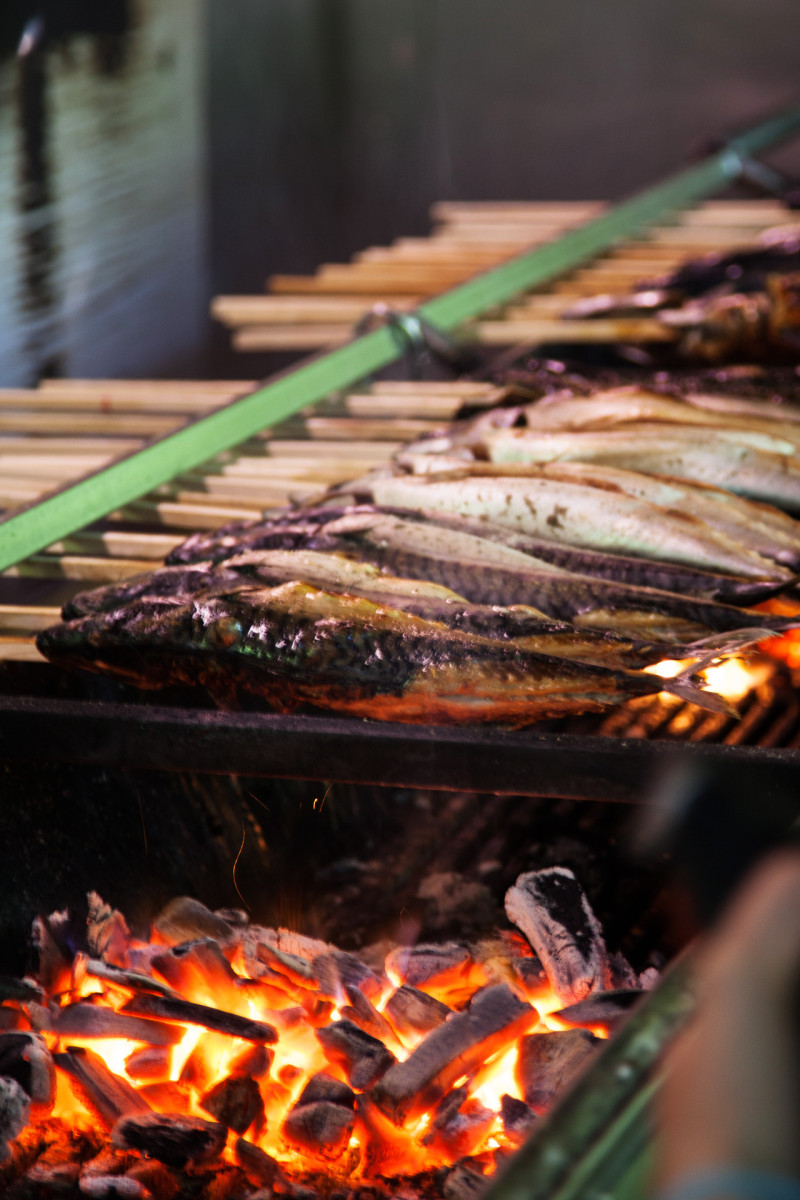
225	632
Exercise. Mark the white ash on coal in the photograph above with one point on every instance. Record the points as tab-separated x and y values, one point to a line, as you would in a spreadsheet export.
237	1060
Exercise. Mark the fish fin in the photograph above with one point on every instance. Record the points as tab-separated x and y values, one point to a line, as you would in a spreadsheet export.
743	595
692	693
722	645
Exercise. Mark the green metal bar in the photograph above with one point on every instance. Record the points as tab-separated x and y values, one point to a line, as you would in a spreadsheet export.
598	1137
543	263
78	504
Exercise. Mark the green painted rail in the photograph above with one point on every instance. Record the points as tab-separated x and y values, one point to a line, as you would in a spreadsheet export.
61	513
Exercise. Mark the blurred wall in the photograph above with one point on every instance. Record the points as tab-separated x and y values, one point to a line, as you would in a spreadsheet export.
335	123
103	232
231	139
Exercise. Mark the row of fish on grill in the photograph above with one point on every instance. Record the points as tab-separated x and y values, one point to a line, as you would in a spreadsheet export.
737	305
529	561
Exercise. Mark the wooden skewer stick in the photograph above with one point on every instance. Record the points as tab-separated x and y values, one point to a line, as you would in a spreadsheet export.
117	543
77	566
633	330
18	649
27	618
351	284
290	337
73	423
113	401
27	444
296	310
176	515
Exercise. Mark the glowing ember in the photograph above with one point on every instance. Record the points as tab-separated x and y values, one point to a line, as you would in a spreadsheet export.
233	1043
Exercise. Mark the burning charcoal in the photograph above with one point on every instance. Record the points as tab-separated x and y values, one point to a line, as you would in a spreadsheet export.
18	989
364	1014
26	1058
171	1138
12	1018
135	981
113	1187
602	1010
254	1062
200	969
336	971
384	1148
15	1108
431	968
52	1179
235	917
94	1021
320	1127
188	1013
53	962
554	914
532	977
149	1063
108	1162
494	1019
621	974
106	1094
459	1127
296	969
198	1071
107	932
259	1166
518	1119
549	1061
324	1087
317	1011
412	1011
159	1180
235	1102
166	1096
362	1057
466	1181
185	919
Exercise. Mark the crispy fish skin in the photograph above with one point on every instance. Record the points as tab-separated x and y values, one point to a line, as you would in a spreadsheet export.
646	613
721	461
281	531
744	526
619	568
295	645
620	406
521	624
574	513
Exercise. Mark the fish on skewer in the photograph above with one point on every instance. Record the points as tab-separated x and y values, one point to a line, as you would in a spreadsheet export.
725	458
572	512
751	524
295	645
740	271
461	561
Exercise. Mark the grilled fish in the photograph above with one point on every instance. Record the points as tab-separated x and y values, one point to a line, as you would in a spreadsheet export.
296	645
574	513
723	459
423	550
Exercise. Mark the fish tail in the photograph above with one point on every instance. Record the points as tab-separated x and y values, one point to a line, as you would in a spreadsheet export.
693	693
722	645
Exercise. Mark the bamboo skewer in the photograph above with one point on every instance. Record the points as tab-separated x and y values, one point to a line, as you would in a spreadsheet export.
502	333
65	428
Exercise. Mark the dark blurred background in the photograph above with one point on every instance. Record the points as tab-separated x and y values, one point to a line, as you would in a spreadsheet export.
155	152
